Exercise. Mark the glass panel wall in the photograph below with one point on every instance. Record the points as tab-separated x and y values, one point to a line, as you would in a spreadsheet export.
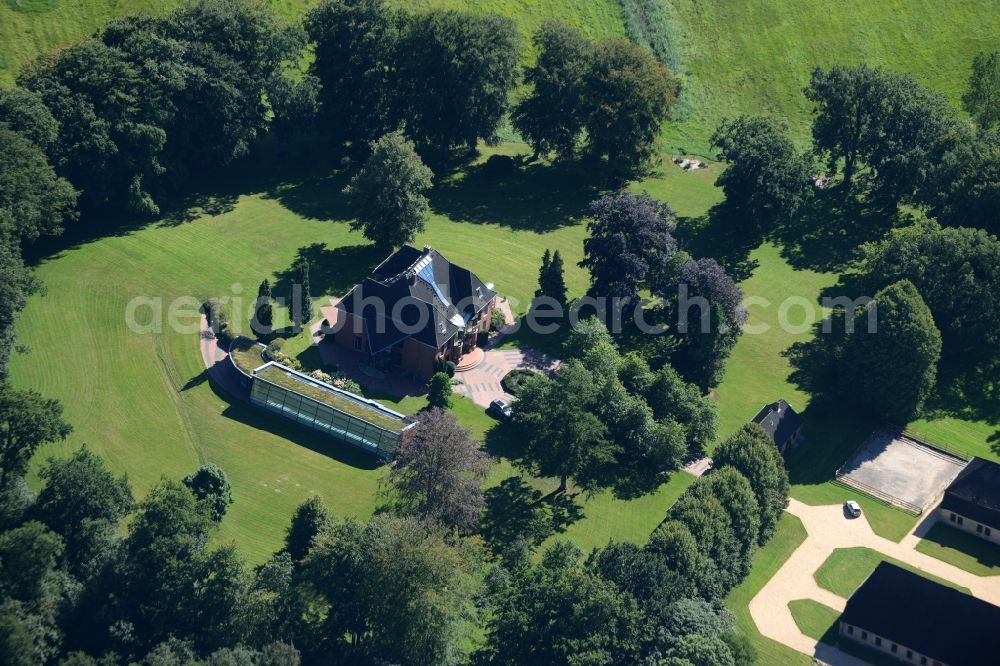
355	431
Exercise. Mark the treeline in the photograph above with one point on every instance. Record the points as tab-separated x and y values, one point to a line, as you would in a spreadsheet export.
90	576
693	314
610	91
609	421
886	141
879	136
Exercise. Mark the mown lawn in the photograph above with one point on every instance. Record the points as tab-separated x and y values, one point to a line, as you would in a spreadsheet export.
766	562
846	568
963	550
815	620
142	400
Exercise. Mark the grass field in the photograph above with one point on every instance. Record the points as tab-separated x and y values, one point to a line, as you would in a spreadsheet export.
963	550
756	56
751	57
815	620
846	568
787	537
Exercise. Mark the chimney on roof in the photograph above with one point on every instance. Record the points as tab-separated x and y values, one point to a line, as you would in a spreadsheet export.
427	248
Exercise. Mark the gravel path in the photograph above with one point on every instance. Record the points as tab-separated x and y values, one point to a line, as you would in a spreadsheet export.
827	529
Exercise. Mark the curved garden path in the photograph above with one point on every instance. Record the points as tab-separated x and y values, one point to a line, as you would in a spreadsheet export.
828	529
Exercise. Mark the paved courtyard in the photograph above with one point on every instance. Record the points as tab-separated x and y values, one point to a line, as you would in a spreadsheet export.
907	472
482	383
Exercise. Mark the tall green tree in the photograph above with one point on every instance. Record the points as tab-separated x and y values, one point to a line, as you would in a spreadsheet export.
846	104
30	555
85	503
551	117
543	271
568	441
24	112
963	182
310	518
878	119
957	273
982	99
457	70
672	398
356	47
211	486
903	343
439	391
35	200
736	496
721	560
554	284
647	449
27	420
110	119
263	319
753	454
559	613
628	97
393	590
17	284
388	193
765	178
300	305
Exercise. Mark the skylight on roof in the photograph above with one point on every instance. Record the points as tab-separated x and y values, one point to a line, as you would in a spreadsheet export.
425	271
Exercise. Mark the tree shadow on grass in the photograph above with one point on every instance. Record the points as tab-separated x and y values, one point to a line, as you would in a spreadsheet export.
533	197
826	234
331	270
724	235
318	196
503	441
517	511
968	393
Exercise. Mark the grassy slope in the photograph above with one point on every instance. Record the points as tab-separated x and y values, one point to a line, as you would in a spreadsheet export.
846	568
755	56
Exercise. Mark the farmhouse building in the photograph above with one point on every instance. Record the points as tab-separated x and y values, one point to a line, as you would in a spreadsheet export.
417	307
972	501
781	423
918	621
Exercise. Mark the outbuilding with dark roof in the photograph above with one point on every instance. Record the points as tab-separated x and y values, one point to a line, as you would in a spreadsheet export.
972	502
781	423
919	621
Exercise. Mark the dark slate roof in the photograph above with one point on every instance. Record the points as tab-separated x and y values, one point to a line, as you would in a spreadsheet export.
975	493
438	298
927	617
779	420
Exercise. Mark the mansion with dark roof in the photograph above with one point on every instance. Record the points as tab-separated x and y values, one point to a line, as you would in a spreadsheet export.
918	621
972	502
417	307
